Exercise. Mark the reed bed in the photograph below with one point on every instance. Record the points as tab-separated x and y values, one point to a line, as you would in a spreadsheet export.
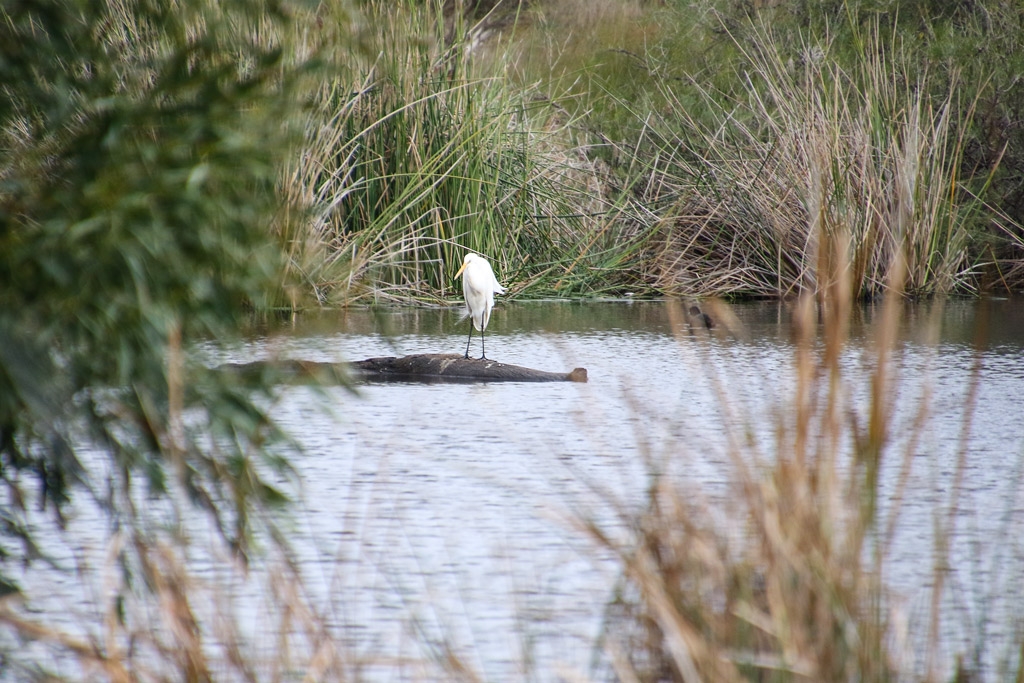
412	158
570	148
810	148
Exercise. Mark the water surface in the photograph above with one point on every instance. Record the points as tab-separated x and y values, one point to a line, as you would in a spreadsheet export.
438	516
450	505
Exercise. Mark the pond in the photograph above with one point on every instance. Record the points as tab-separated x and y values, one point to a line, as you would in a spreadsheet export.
450	507
444	517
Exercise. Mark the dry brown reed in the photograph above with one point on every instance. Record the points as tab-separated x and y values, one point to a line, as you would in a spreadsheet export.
185	616
785	579
813	150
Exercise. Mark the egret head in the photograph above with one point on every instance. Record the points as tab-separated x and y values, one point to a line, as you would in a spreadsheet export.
470	257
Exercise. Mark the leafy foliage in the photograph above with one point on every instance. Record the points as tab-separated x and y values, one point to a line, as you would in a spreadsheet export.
141	142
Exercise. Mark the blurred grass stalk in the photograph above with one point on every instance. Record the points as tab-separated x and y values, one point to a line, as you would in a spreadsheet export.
786	577
227	622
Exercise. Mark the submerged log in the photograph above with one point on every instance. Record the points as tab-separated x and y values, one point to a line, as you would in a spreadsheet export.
424	367
286	370
451	367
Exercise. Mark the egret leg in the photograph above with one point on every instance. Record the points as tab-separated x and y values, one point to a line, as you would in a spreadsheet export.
483	352
470	338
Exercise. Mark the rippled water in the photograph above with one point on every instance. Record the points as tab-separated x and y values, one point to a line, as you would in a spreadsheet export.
444	511
450	503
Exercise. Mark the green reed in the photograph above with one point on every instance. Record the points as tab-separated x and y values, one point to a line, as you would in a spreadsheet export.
412	158
741	129
810	147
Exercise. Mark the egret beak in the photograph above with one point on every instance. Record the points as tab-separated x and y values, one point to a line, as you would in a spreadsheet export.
461	269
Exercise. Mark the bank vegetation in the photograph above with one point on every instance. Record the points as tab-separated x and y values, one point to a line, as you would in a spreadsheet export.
666	148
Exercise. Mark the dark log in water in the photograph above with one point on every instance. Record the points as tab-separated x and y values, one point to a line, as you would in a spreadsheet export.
425	367
450	367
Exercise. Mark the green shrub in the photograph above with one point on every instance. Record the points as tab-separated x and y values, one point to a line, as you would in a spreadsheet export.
141	148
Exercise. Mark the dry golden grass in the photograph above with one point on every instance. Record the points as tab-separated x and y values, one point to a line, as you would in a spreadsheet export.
813	151
179	620
785	579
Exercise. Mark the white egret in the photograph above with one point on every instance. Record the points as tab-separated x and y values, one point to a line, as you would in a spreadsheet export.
478	287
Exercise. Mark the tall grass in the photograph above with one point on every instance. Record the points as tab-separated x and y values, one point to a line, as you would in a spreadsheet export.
582	51
812	149
411	159
604	149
